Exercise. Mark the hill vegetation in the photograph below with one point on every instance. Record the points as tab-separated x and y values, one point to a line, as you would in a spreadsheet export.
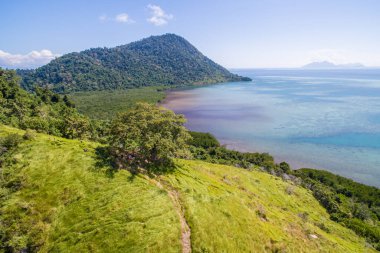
147	137
355	205
105	105
167	60
57	197
43	111
352	204
51	188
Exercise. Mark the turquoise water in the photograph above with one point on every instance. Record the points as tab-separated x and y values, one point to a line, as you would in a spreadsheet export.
320	119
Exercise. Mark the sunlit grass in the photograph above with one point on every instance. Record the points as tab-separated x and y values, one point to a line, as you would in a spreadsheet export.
68	204
235	210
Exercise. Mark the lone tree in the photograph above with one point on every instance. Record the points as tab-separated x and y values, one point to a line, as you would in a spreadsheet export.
149	137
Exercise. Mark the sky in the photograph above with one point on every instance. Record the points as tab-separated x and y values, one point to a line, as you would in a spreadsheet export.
235	34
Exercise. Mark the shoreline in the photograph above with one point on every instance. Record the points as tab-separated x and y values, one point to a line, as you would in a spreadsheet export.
175	100
294	164
175	94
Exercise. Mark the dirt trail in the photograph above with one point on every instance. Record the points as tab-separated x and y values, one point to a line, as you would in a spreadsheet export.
185	229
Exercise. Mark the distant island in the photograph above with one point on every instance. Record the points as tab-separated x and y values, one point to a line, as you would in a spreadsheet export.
330	65
167	59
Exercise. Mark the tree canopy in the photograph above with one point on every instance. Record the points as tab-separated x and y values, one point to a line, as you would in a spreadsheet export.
148	136
43	111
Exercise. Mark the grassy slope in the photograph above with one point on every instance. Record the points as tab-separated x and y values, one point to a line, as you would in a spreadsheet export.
222	202
106	104
68	206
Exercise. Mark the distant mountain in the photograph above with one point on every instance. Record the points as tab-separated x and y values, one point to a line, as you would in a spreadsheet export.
330	65
158	60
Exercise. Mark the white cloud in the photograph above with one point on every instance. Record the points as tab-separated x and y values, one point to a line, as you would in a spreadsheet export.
31	60
123	18
159	17
119	18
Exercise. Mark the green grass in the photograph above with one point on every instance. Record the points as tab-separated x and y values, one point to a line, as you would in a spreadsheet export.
106	104
66	205
225	208
63	202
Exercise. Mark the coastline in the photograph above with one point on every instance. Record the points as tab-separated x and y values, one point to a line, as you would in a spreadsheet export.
179	101
238	146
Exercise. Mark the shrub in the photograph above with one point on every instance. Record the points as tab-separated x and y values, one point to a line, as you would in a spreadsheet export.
285	167
323	227
10	141
203	140
75	126
361	211
29	135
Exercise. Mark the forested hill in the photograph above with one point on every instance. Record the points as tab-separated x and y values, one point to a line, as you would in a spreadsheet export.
158	60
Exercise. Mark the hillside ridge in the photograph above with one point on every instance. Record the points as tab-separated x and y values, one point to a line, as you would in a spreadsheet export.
167	59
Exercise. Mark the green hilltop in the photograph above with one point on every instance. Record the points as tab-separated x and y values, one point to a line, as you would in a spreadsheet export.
158	60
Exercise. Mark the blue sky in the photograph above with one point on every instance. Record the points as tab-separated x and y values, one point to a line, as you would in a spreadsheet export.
236	34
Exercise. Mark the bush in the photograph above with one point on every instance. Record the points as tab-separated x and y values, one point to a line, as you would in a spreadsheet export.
29	135
285	167
361	211
223	155
10	141
75	126
203	140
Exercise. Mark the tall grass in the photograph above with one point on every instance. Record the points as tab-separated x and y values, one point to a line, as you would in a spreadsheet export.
68	204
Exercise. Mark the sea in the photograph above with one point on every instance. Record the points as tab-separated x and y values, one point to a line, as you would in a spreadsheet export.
322	119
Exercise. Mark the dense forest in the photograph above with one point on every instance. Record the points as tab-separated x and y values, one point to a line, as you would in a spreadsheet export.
43	110
158	60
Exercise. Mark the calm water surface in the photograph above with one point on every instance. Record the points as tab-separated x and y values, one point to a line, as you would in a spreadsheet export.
320	119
